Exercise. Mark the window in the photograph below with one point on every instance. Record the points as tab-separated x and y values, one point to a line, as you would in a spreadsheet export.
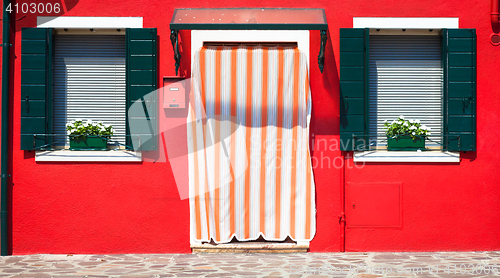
405	78
89	82
366	97
99	77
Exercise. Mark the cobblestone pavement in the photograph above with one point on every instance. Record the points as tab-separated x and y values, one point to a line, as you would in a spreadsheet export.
438	264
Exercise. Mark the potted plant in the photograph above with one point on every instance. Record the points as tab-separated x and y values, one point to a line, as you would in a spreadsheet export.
88	135
406	134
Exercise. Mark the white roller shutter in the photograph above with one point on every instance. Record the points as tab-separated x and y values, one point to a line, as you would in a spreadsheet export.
406	78
89	81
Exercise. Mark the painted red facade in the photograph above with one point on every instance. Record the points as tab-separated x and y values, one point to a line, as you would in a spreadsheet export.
135	207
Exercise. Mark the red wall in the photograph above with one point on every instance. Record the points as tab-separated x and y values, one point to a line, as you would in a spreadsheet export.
135	207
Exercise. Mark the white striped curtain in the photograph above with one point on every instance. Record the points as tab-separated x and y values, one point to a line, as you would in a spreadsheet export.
250	171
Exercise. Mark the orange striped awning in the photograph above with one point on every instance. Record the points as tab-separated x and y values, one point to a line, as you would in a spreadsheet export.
250	171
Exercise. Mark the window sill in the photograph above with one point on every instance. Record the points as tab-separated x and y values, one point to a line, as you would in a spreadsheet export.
407	156
88	156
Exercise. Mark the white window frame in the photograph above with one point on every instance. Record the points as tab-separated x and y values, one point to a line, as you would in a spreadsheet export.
301	37
405	22
84	22
414	24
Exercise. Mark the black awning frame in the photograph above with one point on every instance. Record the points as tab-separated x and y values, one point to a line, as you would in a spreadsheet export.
176	27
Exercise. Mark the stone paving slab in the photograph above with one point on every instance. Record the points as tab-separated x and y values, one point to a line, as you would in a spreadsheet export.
356	265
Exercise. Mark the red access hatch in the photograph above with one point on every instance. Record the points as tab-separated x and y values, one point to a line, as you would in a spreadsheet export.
374	205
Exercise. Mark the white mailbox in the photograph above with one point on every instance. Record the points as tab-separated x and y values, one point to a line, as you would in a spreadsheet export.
174	92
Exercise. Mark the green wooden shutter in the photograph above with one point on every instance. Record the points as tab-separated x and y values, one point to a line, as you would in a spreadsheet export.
460	89
142	83
354	49
36	82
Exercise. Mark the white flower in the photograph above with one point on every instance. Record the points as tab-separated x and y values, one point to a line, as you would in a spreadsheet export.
78	120
68	132
413	133
405	124
413	127
424	127
106	125
417	121
411	121
429	133
402	117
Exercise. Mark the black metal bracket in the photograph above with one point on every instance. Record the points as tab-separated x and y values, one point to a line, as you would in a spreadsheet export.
342	218
27	100
466	102
174	39
321	56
